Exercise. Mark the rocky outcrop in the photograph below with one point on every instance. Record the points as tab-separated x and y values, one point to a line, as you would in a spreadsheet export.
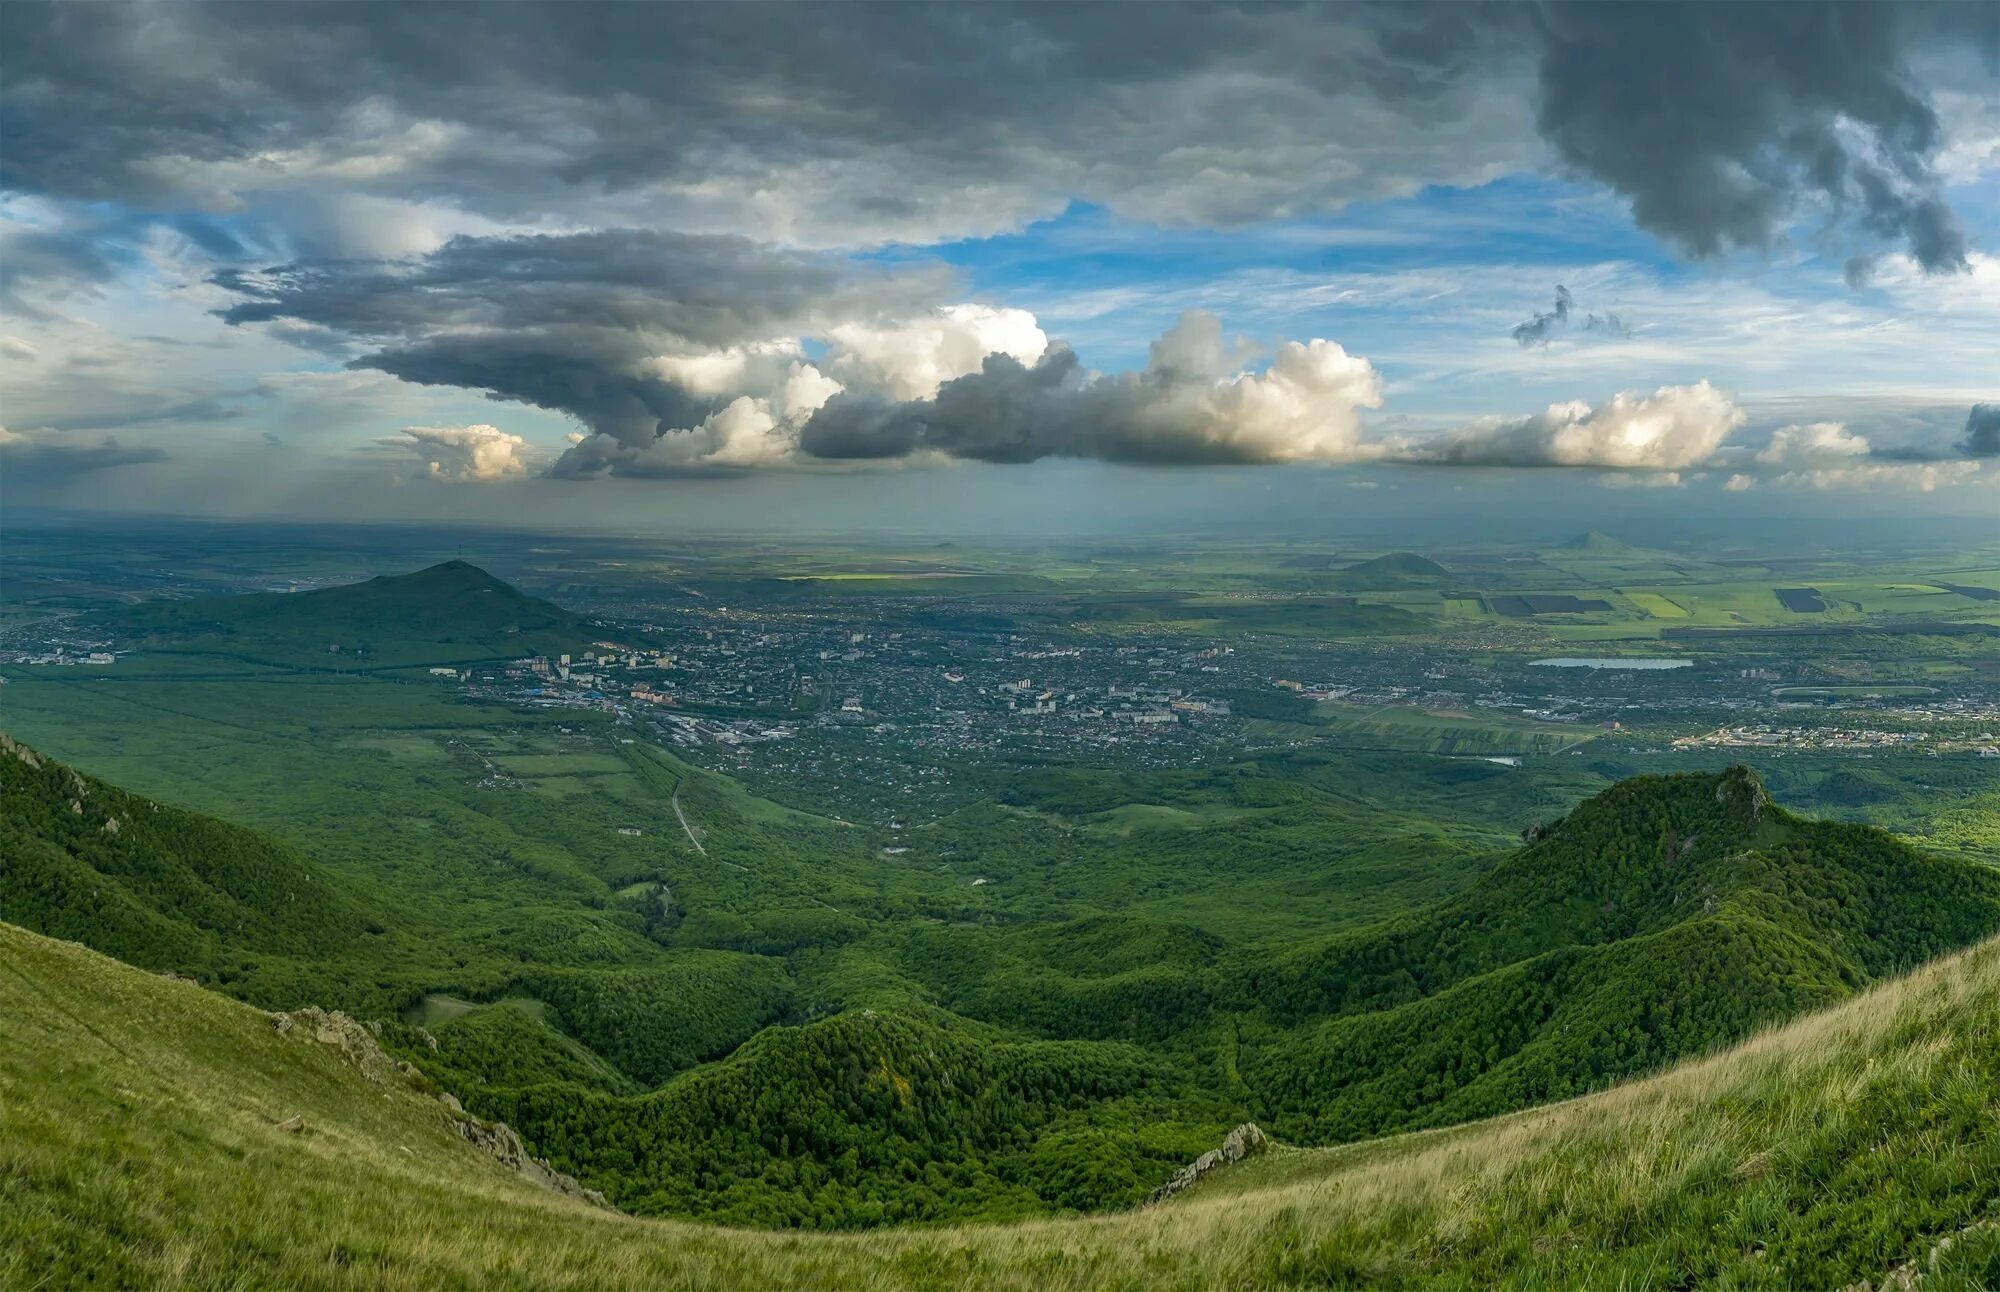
346	1034
501	1142
1245	1141
1739	788
357	1044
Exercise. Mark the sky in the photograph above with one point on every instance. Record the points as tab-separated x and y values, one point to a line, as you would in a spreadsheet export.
873	266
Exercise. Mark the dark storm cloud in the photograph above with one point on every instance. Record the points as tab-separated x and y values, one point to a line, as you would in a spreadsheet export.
890	116
1982	432
835	123
31	459
573	322
1716	121
1536	330
1980	439
1544	324
1006	412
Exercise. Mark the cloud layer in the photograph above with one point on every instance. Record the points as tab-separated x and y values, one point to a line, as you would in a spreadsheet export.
696	234
862	124
52	457
1718	125
633	333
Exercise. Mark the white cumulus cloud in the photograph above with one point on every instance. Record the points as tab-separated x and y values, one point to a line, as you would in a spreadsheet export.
476	454
1193	403
1820	442
1674	428
912	358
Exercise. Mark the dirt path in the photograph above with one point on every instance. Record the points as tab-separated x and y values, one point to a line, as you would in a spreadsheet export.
684	823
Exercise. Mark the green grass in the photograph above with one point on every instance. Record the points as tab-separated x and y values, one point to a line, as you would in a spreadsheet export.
140	1145
1446	732
1835	692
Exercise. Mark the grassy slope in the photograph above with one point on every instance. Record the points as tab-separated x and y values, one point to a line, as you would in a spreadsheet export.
139	1146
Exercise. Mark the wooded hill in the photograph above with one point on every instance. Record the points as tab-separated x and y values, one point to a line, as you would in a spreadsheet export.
901	1069
448	613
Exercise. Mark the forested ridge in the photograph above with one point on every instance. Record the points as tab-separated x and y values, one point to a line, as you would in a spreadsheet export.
160	887
839	1071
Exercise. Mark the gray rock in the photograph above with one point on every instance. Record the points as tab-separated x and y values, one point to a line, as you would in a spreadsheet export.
1245	1141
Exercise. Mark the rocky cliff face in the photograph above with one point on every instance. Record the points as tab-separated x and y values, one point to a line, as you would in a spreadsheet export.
359	1046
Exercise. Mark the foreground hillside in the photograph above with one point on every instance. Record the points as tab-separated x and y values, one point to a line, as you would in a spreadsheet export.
154	1133
878	1064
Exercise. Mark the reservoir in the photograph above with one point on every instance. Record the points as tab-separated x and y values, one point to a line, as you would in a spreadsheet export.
1612	662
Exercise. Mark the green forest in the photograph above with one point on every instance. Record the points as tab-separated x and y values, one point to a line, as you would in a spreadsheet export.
903	1059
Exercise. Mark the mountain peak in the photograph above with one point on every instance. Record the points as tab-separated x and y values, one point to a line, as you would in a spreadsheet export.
1391	570
453	571
1598	541
443	613
1725	806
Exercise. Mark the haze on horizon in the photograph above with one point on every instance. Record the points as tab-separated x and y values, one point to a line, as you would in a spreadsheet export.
923	267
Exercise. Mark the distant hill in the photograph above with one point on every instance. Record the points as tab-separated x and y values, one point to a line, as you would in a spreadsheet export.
1600	544
448	613
1396	570
158	1134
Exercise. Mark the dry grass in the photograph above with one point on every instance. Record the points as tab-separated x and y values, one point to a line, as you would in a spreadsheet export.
139	1146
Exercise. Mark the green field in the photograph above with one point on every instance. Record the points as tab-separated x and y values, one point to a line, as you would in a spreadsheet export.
1454	733
1856	692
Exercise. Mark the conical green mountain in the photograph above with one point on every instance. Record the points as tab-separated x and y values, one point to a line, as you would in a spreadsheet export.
1662	917
1600	544
448	613
1396	570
